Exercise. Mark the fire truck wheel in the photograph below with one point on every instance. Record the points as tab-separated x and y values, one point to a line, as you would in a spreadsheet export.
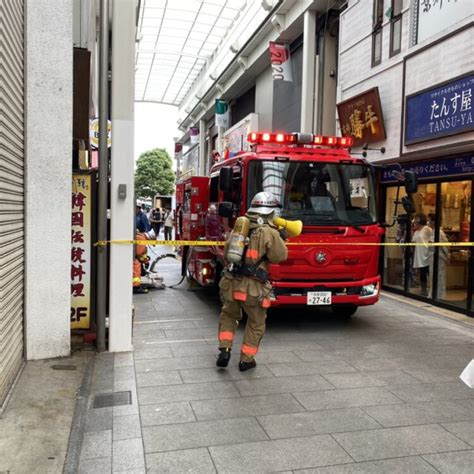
344	311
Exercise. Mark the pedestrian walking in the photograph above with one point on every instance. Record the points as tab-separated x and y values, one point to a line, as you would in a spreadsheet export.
156	220
245	286
169	223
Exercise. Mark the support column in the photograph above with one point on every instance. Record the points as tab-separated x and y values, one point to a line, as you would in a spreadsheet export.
122	225
202	148
48	177
307	86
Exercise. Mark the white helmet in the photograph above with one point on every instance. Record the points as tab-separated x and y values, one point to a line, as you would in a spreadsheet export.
264	203
150	235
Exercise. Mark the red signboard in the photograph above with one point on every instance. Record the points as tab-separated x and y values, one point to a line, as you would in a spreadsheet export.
361	117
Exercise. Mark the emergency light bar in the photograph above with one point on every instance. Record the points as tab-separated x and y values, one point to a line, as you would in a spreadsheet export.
264	138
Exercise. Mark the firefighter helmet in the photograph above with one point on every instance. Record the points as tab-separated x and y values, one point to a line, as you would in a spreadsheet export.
264	203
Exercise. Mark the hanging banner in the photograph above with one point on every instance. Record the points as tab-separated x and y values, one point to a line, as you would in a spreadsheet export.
222	113
81	252
281	62
194	135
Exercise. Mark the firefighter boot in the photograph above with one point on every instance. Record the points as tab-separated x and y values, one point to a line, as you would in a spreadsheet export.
243	366
224	357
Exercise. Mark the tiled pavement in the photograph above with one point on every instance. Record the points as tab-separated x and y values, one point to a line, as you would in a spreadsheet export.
378	393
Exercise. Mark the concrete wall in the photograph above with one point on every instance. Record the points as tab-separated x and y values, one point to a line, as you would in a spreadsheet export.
48	144
264	99
287	98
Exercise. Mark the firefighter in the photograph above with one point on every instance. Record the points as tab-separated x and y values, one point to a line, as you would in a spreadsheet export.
141	258
245	285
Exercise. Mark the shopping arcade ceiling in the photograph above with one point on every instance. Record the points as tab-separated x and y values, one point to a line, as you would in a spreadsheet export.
177	40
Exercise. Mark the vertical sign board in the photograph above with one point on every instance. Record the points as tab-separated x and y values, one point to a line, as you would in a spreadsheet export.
435	16
440	111
81	251
361	117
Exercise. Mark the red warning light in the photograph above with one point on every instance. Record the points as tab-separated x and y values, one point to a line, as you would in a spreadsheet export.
346	142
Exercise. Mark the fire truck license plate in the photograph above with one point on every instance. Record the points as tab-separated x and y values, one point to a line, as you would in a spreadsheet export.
319	298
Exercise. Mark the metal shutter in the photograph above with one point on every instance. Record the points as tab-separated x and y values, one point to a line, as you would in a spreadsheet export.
11	193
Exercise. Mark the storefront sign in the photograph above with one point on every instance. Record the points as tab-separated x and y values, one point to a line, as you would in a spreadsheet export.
235	139
94	133
440	111
361	117
81	252
433	168
281	61
435	16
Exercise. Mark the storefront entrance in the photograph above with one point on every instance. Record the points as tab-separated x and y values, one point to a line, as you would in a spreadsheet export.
442	275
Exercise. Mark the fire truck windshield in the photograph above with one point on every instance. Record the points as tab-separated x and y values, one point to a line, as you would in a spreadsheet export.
317	193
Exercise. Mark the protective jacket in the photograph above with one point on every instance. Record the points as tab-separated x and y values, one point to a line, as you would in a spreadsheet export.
265	246
251	294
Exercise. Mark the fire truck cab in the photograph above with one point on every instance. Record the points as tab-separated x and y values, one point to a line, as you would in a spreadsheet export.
318	182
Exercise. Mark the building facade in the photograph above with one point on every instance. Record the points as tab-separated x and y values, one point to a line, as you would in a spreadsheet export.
417	56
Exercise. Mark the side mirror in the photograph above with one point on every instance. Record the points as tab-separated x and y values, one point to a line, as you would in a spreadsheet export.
410	182
408	205
225	209
225	178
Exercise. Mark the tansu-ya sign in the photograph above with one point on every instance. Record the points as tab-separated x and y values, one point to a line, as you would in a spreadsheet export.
443	110
361	117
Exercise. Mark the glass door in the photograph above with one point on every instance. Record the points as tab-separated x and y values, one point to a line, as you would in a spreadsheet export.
454	226
419	269
394	256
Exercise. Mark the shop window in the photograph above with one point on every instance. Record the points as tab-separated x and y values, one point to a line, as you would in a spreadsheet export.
396	27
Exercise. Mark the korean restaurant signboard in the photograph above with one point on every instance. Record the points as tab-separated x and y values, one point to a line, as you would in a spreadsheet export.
435	16
81	252
361	117
440	111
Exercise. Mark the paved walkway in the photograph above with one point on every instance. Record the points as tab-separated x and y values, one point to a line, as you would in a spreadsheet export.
378	393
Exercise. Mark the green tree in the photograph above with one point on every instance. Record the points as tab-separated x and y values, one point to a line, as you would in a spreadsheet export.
154	174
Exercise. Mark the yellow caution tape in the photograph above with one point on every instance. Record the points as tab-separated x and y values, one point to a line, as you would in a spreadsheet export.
214	243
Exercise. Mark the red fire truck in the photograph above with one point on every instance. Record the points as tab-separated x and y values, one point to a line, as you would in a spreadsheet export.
318	182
